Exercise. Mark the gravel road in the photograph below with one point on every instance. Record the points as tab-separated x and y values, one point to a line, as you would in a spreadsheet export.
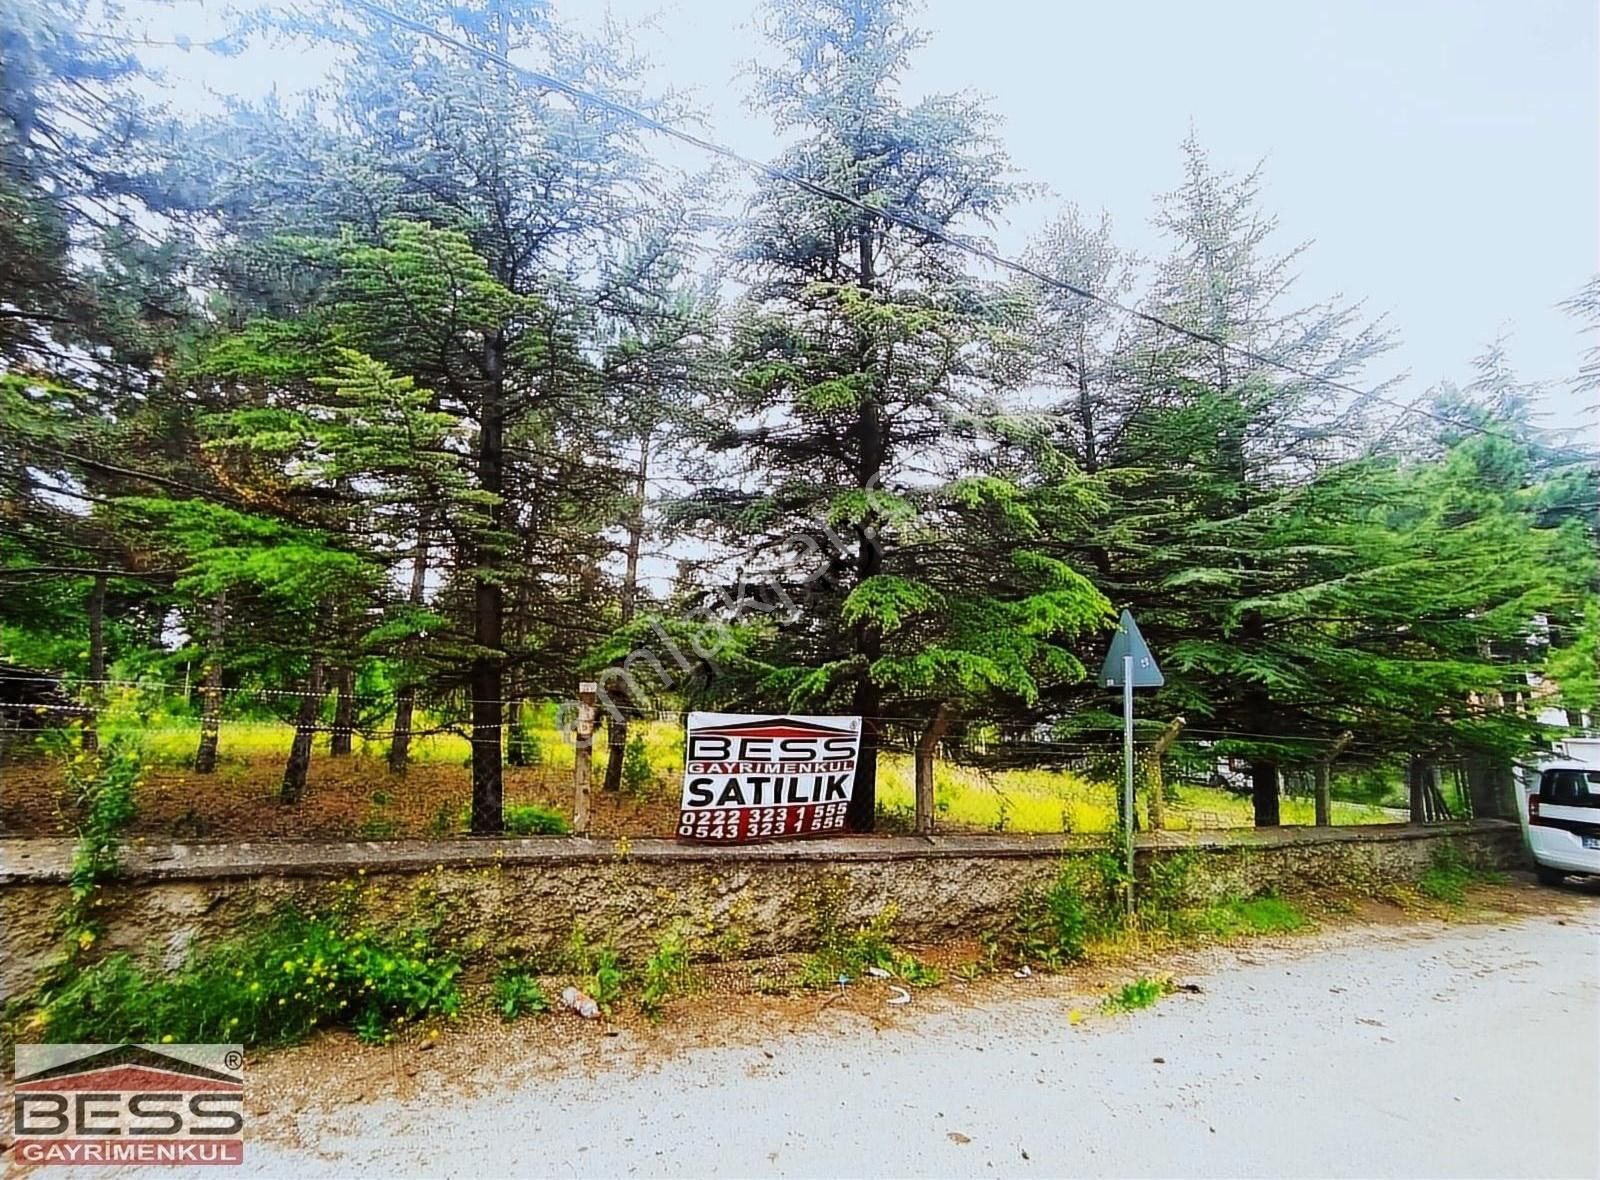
1467	1050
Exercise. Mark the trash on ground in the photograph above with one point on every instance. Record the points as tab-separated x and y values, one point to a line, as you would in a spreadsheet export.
1022	972
583	1005
877	973
901	996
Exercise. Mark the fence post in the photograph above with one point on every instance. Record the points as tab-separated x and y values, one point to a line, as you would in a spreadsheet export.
583	757
1324	771
1156	784
926	745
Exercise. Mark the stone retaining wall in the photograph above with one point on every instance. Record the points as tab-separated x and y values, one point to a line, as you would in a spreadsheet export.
526	896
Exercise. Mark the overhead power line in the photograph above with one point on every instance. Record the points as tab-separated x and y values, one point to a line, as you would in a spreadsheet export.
976	249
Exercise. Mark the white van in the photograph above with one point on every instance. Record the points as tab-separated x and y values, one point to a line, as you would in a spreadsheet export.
1561	814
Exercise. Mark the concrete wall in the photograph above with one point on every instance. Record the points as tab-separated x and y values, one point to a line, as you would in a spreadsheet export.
502	897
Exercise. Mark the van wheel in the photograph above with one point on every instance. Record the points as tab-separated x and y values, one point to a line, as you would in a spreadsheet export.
1548	876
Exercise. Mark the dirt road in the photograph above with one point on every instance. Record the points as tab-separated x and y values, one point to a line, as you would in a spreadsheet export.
1467	1050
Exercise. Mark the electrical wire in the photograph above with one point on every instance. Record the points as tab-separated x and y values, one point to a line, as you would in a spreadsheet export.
975	249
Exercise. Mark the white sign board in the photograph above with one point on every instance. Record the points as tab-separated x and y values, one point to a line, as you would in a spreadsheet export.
765	777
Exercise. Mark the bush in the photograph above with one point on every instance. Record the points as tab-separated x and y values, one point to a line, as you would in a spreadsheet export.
599	969
851	954
517	993
1053	926
636	772
523	745
520	819
666	972
532	819
102	788
296	974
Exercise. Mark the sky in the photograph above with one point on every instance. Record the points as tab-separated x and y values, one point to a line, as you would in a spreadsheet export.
1440	155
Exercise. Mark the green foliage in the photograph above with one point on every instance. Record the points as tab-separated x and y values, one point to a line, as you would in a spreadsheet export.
888	602
521	819
517	993
666	973
1263	914
598	967
398	400
524	747
1144	992
102	788
1449	875
849	953
637	774
298	973
533	819
1053	926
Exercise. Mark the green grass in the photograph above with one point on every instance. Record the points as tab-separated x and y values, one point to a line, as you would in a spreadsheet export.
1016	800
1144	992
169	738
273	986
1446	879
1254	915
1058	800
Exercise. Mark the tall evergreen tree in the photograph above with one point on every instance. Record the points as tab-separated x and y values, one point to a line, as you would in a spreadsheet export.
863	355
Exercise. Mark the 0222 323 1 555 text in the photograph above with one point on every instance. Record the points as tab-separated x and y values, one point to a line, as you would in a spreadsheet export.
753	777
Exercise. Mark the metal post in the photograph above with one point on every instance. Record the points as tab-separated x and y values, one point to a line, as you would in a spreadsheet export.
1127	768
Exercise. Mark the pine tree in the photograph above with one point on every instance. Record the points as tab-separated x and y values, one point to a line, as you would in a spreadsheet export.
863	357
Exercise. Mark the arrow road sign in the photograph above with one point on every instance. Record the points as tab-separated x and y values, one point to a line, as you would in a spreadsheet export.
1128	642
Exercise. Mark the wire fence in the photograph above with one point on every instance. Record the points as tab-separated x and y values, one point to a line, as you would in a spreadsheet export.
1010	777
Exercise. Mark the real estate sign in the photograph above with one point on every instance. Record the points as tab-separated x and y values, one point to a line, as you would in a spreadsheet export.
765	777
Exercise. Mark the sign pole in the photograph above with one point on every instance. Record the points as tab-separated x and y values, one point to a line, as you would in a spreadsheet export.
1127	768
1129	665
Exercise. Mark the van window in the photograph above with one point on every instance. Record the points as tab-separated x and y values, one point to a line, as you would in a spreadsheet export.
1570	788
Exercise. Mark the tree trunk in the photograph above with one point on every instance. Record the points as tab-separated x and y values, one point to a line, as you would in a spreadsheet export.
205	757
1155	779
305	728
1417	782
617	726
97	663
927	745
1491	787
343	713
1086	423
1324	772
867	642
488	607
1438	809
406	701
1264	792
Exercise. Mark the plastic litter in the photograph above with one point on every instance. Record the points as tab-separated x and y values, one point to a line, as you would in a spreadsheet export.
1022	972
583	1005
843	980
901	996
877	973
